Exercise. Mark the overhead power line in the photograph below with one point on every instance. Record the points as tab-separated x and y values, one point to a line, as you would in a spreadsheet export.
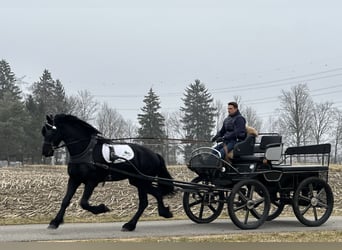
248	86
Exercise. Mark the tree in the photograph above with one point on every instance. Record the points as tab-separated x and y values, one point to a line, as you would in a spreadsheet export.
83	105
198	115
13	117
221	114
152	122
252	119
322	115
173	129
110	122
295	114
336	133
8	82
48	97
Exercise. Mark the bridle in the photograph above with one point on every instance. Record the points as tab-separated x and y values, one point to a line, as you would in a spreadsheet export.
53	127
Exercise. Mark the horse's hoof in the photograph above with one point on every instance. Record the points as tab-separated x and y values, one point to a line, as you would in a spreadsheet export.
103	209
166	213
127	228
51	226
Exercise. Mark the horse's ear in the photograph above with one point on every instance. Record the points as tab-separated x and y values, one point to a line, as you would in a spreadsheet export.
49	119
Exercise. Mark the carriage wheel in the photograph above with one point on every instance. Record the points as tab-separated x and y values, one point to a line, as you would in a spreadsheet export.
249	204
276	208
313	202
202	206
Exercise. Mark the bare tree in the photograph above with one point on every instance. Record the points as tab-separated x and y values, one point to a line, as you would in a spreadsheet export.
221	114
173	130
272	124
110	122
83	105
336	133
250	114
321	120
131	130
251	117
296	114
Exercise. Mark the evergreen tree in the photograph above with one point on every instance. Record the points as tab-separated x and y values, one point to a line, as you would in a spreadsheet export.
152	123
8	82
198	116
12	116
48	97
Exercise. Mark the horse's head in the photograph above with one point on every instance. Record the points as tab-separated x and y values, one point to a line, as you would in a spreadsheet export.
75	133
52	136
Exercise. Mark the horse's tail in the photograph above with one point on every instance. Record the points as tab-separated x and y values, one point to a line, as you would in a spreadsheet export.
167	187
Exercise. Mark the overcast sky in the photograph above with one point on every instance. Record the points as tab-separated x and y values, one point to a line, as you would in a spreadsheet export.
118	50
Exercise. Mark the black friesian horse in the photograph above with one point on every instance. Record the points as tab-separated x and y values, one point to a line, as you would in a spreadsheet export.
88	166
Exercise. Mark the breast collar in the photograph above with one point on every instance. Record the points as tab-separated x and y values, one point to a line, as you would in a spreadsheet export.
86	156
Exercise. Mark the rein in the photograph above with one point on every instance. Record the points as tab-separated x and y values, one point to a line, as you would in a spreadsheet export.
66	144
161	139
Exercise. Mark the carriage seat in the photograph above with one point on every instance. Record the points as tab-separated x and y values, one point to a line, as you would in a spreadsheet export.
244	148
266	142
270	147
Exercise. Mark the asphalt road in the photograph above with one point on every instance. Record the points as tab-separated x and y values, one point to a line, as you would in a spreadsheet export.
89	231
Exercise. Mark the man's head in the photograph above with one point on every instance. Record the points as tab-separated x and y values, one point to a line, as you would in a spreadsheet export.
232	108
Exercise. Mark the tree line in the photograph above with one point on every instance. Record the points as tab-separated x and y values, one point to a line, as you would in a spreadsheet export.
300	120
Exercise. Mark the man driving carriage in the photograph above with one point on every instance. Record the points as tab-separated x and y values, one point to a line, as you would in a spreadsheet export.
233	130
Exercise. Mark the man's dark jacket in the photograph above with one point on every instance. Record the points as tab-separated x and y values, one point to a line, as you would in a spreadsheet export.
233	128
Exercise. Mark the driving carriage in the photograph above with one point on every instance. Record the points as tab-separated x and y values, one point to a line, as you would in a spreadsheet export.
260	181
256	184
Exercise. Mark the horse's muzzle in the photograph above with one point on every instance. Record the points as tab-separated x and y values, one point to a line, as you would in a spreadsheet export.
47	150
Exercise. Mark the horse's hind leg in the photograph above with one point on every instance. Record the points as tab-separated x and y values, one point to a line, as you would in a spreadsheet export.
143	202
71	189
88	191
162	209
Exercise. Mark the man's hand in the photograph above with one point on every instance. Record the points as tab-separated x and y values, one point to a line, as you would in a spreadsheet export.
214	138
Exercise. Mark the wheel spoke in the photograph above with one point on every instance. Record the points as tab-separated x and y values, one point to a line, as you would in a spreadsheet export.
201	211
304	198
240	207
255	213
195	203
322	204
246	217
213	209
242	196
259	201
315	213
320	192
306	209
311	190
251	192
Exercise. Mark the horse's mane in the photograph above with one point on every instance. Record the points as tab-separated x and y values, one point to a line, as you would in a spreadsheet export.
66	118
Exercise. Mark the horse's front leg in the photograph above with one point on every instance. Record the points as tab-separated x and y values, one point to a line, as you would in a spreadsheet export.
143	203
71	189
88	191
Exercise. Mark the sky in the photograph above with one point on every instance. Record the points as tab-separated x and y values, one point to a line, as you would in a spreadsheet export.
118	50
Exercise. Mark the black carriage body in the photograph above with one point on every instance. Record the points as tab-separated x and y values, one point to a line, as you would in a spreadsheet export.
297	177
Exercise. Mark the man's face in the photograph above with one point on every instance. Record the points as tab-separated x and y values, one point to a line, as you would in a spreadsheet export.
231	109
